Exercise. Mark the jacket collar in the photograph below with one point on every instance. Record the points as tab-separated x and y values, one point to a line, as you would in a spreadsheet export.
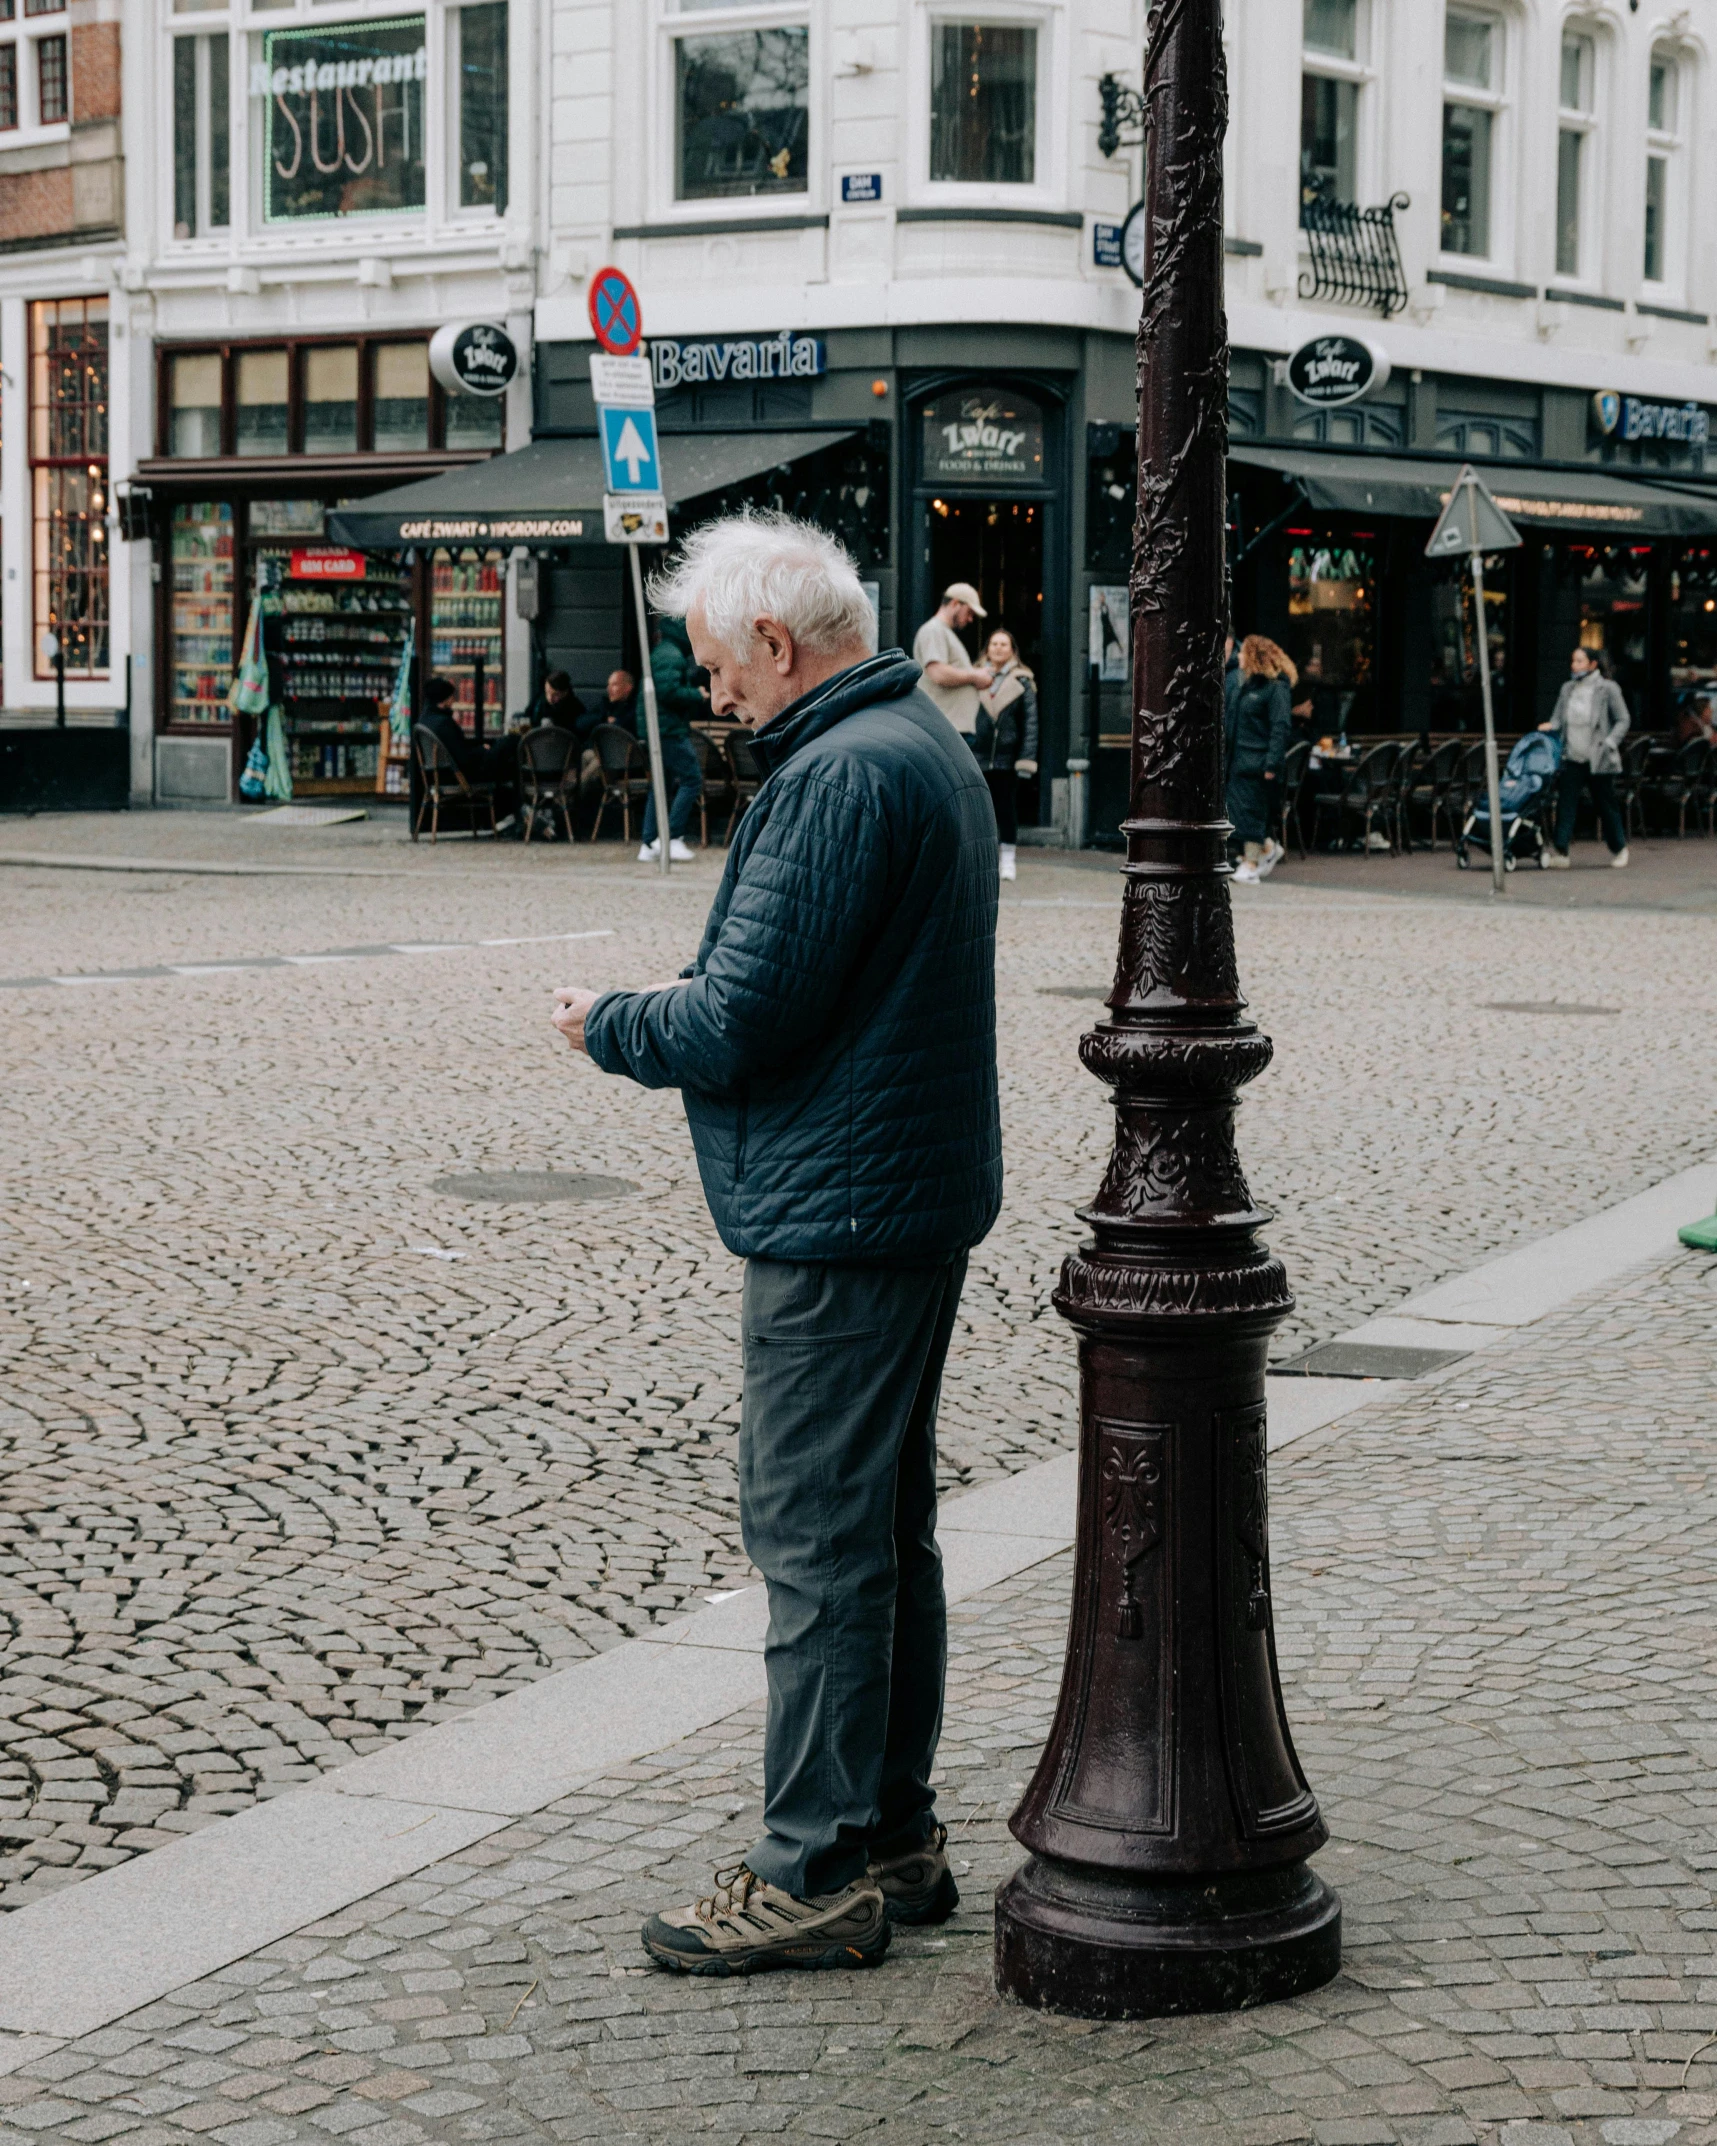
884	677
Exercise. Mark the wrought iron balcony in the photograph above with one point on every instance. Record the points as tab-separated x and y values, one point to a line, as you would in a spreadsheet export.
1356	260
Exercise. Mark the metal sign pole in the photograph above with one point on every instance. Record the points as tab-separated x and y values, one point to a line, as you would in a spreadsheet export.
1492	786
652	723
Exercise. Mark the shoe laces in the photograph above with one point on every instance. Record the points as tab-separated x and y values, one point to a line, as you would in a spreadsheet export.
733	1890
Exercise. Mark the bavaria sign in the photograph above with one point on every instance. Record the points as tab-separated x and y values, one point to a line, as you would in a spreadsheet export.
777	357
1334	369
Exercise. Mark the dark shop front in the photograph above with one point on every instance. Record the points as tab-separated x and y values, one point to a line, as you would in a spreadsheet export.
1330	508
930	468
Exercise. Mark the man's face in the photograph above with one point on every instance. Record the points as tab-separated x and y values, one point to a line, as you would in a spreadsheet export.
553	694
619	685
960	616
752	691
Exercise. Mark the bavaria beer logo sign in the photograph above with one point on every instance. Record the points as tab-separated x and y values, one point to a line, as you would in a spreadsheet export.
1333	369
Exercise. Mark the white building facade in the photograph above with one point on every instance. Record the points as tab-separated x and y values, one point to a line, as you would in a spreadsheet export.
881	250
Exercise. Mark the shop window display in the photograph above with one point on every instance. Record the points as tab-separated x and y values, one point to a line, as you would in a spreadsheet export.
1693	628
68	470
1332	609
202	617
465	643
1610	587
335	633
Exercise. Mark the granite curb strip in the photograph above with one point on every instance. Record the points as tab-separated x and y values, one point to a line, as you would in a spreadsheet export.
93	1953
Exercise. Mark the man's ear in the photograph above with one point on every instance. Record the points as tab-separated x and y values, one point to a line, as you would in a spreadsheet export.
779	643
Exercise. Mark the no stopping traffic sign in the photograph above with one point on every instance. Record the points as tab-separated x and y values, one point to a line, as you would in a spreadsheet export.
615	313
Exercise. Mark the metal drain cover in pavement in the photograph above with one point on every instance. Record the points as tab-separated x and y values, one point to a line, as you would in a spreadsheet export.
1545	1005
534	1185
1364	1360
1099	992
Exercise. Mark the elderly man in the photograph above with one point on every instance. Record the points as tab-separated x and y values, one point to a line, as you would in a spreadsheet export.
835	1044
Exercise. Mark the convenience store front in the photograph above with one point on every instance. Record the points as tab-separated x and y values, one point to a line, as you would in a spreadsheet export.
257	445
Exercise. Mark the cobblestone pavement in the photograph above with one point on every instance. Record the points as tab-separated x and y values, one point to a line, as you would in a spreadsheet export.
299	1453
1497	1643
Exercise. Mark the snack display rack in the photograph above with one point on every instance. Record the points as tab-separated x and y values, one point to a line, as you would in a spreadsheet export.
202	613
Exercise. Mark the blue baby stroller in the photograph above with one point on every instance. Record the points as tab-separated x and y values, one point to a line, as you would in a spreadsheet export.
1527	793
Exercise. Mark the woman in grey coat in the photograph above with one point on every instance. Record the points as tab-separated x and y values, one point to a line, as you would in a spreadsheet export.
1591	719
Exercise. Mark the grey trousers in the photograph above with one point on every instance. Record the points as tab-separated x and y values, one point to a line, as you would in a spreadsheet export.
837	1506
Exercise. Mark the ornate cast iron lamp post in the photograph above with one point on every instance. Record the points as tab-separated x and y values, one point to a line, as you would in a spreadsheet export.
1169	1821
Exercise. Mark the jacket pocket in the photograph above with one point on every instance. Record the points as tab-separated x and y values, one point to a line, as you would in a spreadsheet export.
739	1130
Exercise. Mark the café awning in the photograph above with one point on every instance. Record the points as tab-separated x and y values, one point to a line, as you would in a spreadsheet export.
551	491
1590	503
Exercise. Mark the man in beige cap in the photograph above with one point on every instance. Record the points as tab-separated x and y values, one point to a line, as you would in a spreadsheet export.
951	679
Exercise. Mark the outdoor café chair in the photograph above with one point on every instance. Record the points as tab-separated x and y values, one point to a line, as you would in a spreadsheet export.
1675	783
1635	753
548	776
747	777
1366	797
444	785
1400	792
1293	780
717	785
625	774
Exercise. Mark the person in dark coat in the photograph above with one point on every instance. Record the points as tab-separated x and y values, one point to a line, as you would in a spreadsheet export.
1256	730
496	762
834	1041
680	701
1005	740
557	703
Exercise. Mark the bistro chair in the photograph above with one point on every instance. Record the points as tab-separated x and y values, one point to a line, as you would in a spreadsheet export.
1436	787
548	776
444	785
1704	801
717	789
625	775
1636	753
1675	783
746	775
1366	797
1401	789
1293	780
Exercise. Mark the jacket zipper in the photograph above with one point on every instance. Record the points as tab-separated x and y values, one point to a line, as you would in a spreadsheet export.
739	1142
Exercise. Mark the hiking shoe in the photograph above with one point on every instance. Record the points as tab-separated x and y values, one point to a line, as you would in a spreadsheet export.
918	1886
745	1926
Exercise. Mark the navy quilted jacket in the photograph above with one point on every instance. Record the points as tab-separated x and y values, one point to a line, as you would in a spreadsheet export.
836	1039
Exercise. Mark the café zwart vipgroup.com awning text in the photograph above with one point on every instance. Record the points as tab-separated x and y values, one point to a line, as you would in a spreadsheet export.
551	491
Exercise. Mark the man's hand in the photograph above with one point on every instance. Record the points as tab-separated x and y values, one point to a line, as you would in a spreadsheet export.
571	1010
983	678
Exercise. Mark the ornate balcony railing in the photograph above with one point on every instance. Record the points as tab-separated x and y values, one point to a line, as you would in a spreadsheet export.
1356	260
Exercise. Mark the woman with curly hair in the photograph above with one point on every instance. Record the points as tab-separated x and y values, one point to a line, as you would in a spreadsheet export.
1257	721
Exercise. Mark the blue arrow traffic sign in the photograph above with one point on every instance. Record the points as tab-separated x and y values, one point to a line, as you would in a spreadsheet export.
629	449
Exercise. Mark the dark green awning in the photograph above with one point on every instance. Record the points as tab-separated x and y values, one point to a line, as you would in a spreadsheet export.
551	491
1593	503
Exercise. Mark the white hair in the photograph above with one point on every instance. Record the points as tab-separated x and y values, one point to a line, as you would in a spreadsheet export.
764	565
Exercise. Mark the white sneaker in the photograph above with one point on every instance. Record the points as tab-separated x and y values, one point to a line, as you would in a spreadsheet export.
1619	861
679	851
1271	858
1555	860
649	853
1374	841
1009	868
1246	875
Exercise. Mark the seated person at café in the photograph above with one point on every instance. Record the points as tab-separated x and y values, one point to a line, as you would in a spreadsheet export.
497	763
557	703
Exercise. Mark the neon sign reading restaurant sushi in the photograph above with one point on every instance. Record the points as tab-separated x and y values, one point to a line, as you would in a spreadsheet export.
342	119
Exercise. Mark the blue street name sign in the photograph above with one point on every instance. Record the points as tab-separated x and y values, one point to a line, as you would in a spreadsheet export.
1106	245
862	186
629	450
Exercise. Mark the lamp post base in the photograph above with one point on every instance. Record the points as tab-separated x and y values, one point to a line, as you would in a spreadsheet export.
1071	1939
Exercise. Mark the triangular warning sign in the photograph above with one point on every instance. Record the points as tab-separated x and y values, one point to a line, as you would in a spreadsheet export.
1472	521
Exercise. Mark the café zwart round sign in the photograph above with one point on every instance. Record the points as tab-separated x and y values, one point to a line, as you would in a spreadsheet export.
473	357
1333	369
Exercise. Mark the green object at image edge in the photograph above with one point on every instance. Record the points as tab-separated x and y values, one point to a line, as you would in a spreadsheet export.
1702	1236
